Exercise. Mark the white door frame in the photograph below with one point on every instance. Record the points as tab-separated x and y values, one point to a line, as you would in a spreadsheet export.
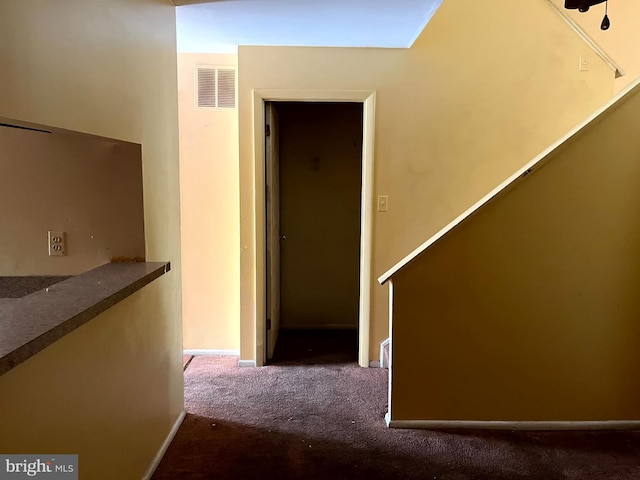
368	100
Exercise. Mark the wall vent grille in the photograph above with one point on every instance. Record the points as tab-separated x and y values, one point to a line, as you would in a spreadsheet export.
215	87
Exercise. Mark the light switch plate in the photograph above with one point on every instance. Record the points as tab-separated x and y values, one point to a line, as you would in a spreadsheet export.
584	63
383	203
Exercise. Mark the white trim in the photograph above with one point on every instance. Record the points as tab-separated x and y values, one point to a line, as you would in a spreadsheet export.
390	366
519	175
374	364
164	447
505	425
215	353
366	226
387	419
246	363
383	344
611	63
367	98
259	179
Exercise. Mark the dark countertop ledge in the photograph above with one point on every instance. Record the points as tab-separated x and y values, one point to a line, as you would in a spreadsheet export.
33	322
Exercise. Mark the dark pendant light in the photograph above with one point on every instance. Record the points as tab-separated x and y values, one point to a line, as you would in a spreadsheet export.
605	21
584	5
581	5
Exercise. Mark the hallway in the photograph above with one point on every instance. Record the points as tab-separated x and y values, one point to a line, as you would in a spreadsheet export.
293	421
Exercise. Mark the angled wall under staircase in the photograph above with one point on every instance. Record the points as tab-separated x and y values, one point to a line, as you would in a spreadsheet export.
526	308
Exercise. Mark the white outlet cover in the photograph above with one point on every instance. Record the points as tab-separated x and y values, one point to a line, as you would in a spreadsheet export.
57	244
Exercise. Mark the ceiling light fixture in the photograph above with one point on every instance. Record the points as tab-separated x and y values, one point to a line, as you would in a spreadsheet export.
584	5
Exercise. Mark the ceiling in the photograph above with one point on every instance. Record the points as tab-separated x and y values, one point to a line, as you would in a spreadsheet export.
220	26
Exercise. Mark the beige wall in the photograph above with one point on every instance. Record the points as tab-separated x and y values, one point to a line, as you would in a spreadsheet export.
474	98
89	188
320	163
621	41
209	198
109	400
106	67
529	309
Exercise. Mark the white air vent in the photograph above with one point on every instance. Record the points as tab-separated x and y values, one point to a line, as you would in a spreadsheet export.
206	79
215	87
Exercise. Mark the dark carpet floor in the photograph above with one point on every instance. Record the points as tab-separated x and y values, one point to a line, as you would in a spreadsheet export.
325	421
307	347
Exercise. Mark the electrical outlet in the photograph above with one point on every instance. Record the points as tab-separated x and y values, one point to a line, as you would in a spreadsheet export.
57	244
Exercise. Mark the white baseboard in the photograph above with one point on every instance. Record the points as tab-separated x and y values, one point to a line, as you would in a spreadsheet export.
380	363
246	363
216	353
501	425
163	448
383	344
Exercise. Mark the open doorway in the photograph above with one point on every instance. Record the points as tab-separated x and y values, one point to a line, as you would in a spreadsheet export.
313	192
254	334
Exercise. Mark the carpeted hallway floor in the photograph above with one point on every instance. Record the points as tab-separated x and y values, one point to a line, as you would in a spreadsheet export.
325	421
